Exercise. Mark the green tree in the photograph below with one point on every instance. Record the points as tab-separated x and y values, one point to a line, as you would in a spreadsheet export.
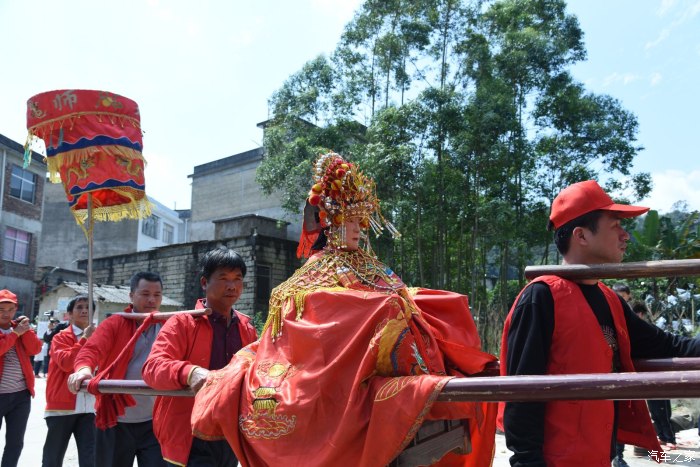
470	122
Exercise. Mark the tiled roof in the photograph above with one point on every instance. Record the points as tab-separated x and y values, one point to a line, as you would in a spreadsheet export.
111	293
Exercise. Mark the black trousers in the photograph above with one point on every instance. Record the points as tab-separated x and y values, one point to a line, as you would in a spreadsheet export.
120	445
660	411
14	409
210	454
60	429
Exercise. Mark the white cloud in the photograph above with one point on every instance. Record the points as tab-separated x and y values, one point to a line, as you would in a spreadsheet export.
655	78
665	6
674	185
663	35
624	78
690	10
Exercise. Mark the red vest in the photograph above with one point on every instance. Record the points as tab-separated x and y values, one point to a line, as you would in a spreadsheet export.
578	433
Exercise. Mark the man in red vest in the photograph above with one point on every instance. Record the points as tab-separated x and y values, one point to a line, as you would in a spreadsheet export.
558	326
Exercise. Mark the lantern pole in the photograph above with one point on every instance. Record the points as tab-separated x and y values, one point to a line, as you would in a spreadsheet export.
89	262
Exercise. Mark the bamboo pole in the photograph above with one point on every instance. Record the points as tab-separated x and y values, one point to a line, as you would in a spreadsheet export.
164	315
663	268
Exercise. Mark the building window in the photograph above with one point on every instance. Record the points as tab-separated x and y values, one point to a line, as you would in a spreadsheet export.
16	246
168	233
22	184
263	288
150	226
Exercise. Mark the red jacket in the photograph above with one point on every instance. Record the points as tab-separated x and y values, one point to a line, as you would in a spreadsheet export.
183	343
26	345
105	344
64	348
578	433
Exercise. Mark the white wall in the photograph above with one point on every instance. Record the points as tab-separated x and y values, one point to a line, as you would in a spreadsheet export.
166	216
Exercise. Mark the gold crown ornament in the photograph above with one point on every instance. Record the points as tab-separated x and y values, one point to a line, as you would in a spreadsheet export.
341	191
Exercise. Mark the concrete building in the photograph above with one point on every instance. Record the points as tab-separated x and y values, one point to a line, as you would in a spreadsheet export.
108	299
226	188
262	242
63	242
21	195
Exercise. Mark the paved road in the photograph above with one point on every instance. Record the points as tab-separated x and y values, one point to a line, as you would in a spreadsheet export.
36	433
683	456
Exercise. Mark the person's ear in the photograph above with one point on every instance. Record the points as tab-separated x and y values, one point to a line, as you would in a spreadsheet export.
579	234
203	282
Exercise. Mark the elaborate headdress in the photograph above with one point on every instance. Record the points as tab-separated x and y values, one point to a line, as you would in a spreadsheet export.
340	191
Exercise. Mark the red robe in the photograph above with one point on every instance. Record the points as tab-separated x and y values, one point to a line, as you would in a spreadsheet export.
351	380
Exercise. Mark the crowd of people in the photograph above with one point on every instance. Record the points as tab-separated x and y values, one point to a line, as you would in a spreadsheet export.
350	361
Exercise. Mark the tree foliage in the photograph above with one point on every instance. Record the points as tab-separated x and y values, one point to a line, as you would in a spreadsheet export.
466	114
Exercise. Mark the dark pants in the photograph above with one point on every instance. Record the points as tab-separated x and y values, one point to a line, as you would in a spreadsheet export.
37	366
661	414
45	364
118	446
60	429
210	454
14	408
620	450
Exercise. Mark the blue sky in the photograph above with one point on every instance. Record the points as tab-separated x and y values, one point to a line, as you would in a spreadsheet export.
202	76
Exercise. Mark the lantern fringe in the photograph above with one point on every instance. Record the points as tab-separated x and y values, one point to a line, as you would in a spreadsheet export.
135	209
71	158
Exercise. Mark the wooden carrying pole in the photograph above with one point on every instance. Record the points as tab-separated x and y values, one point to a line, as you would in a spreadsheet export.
605	386
658	382
665	268
89	233
164	315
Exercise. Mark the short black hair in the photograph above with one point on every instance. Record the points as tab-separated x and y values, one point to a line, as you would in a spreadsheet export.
621	287
562	236
639	306
220	258
75	300
145	275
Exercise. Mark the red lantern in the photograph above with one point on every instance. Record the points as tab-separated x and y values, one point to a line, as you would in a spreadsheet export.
93	143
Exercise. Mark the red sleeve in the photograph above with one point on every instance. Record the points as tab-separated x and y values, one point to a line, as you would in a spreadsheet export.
32	344
64	349
7	341
166	367
97	349
245	327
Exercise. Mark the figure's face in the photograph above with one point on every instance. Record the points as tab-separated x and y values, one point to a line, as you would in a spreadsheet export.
80	313
352	233
223	288
147	296
7	312
608	243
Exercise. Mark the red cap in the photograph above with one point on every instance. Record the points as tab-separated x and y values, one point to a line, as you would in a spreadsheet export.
7	296
584	197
